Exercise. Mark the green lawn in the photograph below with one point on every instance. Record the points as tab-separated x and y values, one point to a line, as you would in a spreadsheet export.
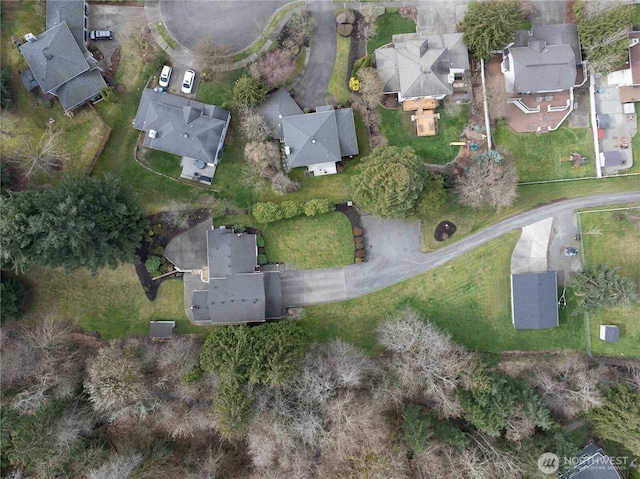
162	30
618	244
399	130
112	302
339	78
636	16
322	241
164	162
537	157
468	297
470	220
387	26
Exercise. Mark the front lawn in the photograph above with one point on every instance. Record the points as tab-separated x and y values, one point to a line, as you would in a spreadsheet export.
322	241
537	157
399	130
468	297
388	25
615	241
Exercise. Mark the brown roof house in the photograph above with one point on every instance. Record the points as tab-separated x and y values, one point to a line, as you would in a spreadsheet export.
627	77
541	68
222	282
59	62
189	128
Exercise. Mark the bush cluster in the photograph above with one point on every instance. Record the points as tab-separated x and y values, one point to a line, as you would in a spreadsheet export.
364	62
269	212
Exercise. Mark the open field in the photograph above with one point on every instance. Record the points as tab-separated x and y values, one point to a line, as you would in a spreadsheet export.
468	297
537	157
615	241
399	130
322	241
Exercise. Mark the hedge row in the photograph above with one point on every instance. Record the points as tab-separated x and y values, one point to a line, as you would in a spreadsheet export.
269	212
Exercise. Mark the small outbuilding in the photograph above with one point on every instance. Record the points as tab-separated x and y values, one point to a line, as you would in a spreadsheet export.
609	332
162	329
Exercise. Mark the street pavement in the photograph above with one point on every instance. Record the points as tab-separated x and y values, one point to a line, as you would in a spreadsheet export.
356	280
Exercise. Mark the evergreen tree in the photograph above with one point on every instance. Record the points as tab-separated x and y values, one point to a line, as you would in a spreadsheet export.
12	297
83	222
249	91
390	182
618	419
489	26
601	287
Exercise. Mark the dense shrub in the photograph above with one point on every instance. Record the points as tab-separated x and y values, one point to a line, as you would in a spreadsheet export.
12	297
260	241
267	212
152	264
291	209
262	259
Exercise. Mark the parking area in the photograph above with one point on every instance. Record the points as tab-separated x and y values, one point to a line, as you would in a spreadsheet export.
114	18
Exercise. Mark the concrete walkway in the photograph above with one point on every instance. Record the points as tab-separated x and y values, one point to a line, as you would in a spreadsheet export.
303	288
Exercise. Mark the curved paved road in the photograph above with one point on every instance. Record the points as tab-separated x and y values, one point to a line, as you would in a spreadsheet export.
303	288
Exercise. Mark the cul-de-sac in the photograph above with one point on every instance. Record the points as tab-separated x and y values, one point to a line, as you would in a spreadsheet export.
320	239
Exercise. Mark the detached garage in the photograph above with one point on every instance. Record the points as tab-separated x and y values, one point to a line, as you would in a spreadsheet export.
534	300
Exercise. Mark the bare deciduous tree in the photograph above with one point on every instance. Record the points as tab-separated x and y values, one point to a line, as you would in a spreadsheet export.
484	460
253	125
425	360
371	87
210	54
281	184
276	67
488	183
264	154
40	157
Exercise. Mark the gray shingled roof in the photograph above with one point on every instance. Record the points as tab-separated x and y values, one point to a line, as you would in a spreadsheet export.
54	58
188	250
71	12
419	65
593	463
544	59
161	329
321	137
230	253
273	294
534	300
76	91
277	106
183	127
239	298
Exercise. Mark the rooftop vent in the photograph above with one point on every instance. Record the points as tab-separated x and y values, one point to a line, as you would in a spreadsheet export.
185	135
153	133
287	150
30	37
313	141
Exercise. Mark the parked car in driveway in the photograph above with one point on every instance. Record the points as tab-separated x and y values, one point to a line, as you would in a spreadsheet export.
187	83
101	35
165	76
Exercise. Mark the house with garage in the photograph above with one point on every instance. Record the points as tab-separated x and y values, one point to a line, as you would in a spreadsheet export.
194	130
223	283
317	141
534	300
541	67
58	59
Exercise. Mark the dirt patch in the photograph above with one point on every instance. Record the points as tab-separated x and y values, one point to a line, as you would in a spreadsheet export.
171	224
569	14
390	102
444	230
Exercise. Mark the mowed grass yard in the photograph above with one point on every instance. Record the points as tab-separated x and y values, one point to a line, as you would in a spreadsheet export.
112	302
470	297
322	241
537	157
471	220
399	130
618	244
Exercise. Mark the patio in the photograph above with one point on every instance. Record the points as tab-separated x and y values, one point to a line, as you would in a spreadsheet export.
425	119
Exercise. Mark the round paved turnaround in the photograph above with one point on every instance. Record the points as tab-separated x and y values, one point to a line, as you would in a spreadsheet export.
236	23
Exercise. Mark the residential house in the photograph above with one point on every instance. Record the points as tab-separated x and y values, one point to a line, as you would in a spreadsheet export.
222	282
417	66
59	62
541	68
317	141
627	77
534	300
189	128
592	463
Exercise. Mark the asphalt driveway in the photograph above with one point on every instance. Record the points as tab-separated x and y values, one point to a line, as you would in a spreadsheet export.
235	23
310	88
